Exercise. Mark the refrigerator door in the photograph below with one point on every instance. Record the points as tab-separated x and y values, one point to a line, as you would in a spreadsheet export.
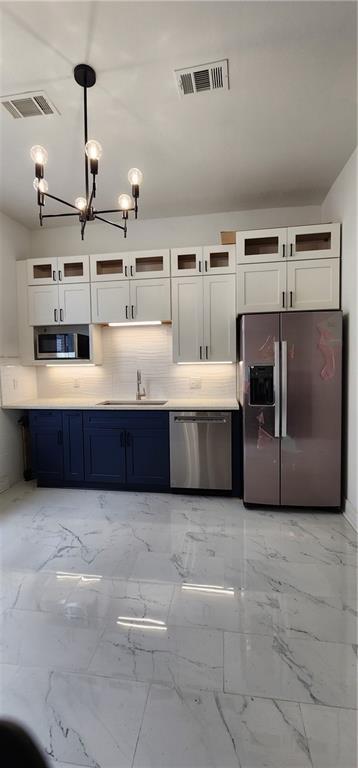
259	345
311	408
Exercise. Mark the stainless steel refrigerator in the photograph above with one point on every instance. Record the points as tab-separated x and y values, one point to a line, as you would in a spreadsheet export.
290	389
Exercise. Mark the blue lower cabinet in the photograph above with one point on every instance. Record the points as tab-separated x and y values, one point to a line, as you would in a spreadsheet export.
73	449
105	455
147	457
47	446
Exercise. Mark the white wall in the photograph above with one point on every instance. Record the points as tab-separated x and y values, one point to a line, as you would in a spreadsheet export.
14	244
341	205
163	233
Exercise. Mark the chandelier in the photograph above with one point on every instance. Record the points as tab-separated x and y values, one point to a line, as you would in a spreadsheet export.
84	207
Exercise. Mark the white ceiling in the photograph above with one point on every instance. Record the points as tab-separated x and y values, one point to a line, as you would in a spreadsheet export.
278	137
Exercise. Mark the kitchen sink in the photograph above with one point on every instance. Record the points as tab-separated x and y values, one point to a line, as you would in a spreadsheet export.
133	402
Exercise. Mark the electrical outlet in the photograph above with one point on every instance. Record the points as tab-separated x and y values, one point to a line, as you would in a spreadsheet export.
195	383
76	383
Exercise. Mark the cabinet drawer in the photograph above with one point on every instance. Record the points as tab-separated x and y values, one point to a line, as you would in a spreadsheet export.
45	420
124	419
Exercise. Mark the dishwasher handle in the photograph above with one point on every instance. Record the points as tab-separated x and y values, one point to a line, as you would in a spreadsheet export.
200	420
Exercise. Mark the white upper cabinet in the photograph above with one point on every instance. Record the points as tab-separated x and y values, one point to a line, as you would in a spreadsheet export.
41	271
318	241
186	262
260	245
110	302
188	319
313	284
109	266
74	304
218	259
147	264
150	300
261	287
73	269
43	307
219	318
70	269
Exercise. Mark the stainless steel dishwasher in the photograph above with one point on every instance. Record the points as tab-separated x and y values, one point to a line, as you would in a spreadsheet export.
200	450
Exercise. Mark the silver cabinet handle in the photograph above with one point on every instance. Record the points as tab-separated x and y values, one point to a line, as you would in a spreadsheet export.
201	352
284	389
207	353
55	315
283	250
276	386
60	275
54	275
61	315
283	299
126	309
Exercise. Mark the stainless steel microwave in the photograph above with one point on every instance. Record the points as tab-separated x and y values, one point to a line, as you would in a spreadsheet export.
61	346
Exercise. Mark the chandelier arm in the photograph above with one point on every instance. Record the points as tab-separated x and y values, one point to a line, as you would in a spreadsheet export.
55	215
115	210
64	202
119	226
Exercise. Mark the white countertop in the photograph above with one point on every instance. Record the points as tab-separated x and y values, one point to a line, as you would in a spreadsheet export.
92	403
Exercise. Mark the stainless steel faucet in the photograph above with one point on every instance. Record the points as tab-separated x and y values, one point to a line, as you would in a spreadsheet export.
140	392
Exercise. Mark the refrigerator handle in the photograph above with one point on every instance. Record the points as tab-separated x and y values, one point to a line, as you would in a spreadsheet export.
284	389
276	386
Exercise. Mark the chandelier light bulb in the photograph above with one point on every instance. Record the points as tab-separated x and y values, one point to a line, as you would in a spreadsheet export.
39	155
125	202
93	150
81	203
135	177
40	185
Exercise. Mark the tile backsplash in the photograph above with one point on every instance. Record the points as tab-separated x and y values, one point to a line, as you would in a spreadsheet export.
148	348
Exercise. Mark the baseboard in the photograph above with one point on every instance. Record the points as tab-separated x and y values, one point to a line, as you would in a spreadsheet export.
351	514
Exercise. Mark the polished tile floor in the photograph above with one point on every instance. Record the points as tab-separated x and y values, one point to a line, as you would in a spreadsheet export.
159	631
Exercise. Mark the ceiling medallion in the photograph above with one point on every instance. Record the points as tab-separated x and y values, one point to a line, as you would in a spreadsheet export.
84	208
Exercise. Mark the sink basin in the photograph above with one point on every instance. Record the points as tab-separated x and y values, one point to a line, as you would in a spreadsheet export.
133	402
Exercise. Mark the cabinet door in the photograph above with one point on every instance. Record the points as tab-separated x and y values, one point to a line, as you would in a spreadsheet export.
258	245
47	446
186	261
219	318
73	457
318	241
313	284
73	269
188	320
219	259
43	305
150	300
41	271
104	451
143	264
74	303
147	456
109	266
261	287
110	302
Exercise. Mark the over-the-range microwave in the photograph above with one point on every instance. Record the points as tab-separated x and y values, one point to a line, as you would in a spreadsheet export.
60	345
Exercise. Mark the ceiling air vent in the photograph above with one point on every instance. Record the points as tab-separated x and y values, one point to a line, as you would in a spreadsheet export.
28	105
205	77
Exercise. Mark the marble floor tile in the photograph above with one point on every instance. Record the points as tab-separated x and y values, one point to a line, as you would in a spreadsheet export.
184	656
79	719
319	618
332	736
311	546
184	729
178	567
96	597
34	638
290	669
229	609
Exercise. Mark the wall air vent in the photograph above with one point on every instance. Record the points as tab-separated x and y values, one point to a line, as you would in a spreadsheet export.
205	77
35	104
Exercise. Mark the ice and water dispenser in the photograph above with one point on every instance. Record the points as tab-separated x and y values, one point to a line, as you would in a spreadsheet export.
262	385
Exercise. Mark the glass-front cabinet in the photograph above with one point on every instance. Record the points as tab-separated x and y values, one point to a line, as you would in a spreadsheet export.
219	259
70	269
317	241
41	271
187	261
259	245
131	264
109	266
